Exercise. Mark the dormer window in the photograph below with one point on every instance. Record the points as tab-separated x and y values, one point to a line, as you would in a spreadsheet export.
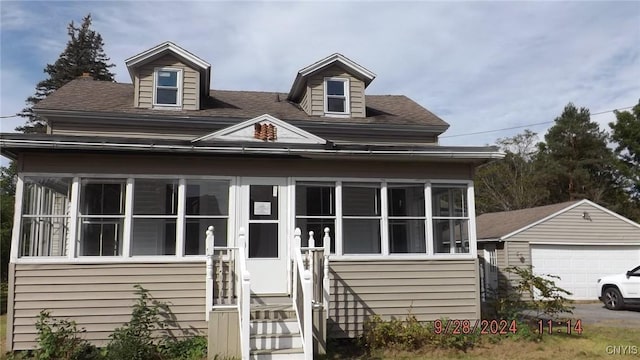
167	90
336	96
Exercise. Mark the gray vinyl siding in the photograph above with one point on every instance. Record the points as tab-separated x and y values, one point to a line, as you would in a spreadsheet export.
132	130
394	289
356	91
226	166
99	296
571	227
517	254
305	103
190	83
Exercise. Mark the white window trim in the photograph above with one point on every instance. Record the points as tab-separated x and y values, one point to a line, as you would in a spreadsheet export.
232	220
428	183
73	256
347	97
179	84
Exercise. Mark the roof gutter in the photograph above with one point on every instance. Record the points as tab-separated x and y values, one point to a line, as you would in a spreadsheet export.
433	154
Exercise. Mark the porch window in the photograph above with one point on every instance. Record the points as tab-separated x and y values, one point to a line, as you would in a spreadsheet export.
406	218
207	203
102	212
361	209
316	210
450	219
45	216
155	213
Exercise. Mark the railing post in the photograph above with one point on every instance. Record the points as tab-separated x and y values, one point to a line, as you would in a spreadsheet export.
312	241
295	246
307	335
326	283
246	301
312	244
209	241
241	238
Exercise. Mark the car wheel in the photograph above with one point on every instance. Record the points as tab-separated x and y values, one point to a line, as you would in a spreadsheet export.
613	300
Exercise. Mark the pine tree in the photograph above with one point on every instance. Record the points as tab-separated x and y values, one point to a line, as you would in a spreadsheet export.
626	134
7	193
83	54
577	160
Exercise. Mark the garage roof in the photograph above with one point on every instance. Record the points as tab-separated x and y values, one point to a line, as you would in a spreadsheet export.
500	225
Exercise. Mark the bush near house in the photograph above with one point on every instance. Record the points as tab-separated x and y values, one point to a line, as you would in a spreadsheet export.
515	306
61	339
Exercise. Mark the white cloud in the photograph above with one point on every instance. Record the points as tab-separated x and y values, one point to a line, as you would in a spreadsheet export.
480	66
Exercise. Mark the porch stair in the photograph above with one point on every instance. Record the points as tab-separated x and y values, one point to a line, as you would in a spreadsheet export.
274	331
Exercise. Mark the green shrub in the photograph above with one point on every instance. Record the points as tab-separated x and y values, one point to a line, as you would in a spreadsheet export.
135	340
191	348
61	339
411	335
545	297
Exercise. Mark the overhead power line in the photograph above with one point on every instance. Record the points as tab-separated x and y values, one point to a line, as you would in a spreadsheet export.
9	116
524	126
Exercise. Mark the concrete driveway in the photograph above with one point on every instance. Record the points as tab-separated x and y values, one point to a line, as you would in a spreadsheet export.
597	314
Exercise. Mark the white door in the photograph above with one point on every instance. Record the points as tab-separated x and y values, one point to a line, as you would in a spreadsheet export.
263	213
580	266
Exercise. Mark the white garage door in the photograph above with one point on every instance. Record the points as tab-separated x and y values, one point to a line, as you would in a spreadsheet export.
579	267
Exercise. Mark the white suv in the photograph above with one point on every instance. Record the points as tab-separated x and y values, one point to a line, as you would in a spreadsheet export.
616	291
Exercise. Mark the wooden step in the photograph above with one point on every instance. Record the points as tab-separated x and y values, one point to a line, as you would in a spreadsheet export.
272	312
275	341
271	299
289	326
282	354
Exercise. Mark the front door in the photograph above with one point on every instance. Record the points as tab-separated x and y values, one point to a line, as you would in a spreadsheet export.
263	205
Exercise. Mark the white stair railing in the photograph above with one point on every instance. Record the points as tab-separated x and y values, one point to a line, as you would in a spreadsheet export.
326	291
228	283
302	297
310	283
244	300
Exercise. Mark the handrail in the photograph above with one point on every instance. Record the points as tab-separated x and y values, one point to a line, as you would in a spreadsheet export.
302	297
244	297
239	291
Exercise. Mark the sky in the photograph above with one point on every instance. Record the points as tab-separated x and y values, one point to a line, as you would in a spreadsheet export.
480	66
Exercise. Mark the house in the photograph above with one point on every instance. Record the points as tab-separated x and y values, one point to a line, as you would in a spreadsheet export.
579	241
196	194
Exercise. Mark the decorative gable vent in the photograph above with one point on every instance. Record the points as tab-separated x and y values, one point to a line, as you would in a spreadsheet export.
266	132
262	129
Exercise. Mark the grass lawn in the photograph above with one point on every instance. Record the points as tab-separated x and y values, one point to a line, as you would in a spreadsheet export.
592	344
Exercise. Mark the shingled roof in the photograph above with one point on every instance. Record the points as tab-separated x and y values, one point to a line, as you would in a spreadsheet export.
87	95
498	224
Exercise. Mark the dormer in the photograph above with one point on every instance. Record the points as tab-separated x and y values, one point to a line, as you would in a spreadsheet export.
332	87
169	77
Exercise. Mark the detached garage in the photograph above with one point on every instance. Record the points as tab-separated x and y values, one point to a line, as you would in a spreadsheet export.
579	241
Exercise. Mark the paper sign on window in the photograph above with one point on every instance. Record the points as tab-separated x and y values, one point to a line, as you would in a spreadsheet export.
261	208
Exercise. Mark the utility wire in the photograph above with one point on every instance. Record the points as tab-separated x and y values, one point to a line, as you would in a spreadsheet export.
524	126
9	116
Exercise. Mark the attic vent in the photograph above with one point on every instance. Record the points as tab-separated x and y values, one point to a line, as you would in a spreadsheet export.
266	132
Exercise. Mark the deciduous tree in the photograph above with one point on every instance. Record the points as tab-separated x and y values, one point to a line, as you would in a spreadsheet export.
514	182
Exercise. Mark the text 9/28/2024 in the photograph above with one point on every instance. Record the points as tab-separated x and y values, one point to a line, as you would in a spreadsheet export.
482	327
503	327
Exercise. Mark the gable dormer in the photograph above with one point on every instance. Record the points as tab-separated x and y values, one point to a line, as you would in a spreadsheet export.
169	77
333	86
